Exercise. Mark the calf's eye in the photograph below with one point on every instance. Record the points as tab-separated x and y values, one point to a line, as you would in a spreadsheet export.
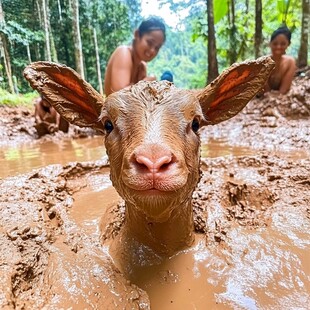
195	125
108	126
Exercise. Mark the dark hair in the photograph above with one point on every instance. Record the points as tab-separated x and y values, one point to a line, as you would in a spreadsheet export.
281	30
151	24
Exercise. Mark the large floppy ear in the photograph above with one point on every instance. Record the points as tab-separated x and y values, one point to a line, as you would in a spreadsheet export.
229	93
73	98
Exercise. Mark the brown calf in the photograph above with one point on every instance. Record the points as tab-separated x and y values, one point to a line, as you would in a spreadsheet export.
152	139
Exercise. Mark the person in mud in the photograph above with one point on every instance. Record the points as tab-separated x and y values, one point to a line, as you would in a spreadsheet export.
281	78
127	64
47	120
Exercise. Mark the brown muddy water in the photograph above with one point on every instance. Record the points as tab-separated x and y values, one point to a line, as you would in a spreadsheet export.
18	159
251	249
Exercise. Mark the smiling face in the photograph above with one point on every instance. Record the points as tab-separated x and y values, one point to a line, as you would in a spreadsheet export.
148	45
279	45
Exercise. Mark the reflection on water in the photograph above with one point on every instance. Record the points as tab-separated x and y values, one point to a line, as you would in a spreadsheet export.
20	159
216	148
220	147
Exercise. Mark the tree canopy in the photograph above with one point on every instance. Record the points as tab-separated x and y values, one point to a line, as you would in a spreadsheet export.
45	29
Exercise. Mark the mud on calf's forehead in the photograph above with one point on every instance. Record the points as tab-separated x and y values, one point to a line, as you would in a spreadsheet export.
147	102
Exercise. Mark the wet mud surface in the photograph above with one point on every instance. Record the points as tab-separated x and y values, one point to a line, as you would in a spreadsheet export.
251	214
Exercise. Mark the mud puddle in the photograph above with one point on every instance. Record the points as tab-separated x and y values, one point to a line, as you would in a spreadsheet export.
252	245
221	147
257	259
18	159
92	201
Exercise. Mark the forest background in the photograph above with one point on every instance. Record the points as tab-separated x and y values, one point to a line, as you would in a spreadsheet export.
83	33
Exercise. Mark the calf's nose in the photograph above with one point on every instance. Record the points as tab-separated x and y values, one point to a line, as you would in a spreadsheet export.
154	158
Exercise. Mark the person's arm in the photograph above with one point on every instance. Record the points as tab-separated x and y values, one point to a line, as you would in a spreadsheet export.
143	75
288	76
121	68
37	112
55	120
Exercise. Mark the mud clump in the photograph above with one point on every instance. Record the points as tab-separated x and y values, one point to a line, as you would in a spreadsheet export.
247	204
244	191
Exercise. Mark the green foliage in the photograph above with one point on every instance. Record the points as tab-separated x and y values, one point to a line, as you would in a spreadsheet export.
110	18
184	53
275	14
287	10
220	9
9	99
19	34
113	20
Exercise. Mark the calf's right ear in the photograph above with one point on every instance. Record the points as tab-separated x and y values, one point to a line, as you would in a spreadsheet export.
73	98
229	93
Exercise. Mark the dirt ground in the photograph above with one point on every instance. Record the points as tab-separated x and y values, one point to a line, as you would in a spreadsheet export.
242	204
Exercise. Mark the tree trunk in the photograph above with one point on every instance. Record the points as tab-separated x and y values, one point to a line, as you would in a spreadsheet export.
5	52
303	50
53	47
258	28
212	60
98	62
77	38
59	10
39	12
232	53
28	53
45	10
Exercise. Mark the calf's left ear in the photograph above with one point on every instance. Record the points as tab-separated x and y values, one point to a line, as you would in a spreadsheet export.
73	98
229	93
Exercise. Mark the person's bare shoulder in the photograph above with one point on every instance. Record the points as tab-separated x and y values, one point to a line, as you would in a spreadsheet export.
289	60
122	53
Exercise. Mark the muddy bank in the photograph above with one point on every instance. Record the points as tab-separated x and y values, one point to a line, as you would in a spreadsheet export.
274	122
242	205
47	261
17	127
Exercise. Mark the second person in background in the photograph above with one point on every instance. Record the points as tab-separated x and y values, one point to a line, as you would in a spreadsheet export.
282	76
127	64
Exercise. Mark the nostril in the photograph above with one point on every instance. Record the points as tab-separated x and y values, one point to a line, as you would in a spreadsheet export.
162	162
144	162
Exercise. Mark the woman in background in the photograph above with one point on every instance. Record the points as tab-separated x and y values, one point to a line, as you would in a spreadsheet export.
127	64
281	78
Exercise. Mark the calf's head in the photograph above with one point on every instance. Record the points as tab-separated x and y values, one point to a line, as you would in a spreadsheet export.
151	128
